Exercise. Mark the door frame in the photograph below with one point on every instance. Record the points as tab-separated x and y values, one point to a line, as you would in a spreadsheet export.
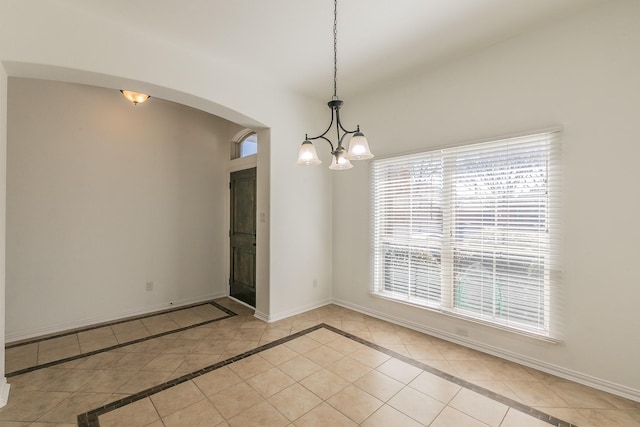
241	243
236	165
262	162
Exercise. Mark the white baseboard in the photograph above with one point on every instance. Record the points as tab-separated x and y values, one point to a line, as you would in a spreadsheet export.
261	316
597	383
283	315
4	391
89	321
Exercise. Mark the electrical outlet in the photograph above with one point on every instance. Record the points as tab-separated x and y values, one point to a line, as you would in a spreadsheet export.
149	286
315	283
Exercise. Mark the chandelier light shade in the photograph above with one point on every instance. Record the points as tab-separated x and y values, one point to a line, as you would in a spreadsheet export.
135	97
307	154
339	161
358	145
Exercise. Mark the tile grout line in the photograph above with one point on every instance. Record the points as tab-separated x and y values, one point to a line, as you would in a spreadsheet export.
90	418
230	314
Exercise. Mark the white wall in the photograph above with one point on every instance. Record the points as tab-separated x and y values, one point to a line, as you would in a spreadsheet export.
103	197
582	73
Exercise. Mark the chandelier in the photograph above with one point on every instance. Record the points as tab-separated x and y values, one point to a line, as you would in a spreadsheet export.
358	145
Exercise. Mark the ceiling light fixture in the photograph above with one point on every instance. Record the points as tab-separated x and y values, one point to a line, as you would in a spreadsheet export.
358	145
135	97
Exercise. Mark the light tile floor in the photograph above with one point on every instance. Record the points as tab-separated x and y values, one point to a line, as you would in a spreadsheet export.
21	357
320	378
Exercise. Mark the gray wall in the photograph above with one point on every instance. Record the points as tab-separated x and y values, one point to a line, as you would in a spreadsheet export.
103	197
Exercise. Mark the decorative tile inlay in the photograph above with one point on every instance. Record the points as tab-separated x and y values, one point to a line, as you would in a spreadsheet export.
383	384
31	355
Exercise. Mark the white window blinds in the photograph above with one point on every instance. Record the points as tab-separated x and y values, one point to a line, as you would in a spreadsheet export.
470	230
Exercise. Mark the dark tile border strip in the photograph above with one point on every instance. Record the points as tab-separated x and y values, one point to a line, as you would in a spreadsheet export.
124	344
116	322
459	381
90	419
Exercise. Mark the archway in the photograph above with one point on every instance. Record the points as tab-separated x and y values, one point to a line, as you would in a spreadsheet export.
14	69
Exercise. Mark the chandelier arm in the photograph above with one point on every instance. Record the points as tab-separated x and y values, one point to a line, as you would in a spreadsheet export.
323	137
342	127
333	118
343	135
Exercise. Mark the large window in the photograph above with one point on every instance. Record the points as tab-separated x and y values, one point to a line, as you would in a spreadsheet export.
470	230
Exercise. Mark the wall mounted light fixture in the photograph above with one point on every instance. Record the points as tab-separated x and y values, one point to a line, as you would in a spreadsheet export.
135	97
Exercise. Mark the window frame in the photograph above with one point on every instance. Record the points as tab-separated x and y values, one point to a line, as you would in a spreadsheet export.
447	304
236	145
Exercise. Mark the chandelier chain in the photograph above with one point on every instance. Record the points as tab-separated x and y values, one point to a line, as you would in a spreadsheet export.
335	49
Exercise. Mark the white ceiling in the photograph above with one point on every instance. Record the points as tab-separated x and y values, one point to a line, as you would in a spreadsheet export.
290	42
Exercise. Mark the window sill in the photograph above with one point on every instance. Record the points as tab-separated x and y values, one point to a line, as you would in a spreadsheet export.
438	310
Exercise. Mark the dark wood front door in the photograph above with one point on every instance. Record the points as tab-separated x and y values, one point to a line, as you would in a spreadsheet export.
243	236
